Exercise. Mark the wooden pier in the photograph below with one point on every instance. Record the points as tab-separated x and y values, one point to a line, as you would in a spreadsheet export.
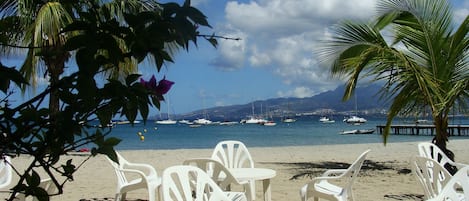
422	129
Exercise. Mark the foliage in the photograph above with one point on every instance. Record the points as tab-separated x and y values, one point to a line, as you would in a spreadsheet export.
425	65
28	129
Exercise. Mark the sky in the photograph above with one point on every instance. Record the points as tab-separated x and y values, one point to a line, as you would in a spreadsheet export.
274	58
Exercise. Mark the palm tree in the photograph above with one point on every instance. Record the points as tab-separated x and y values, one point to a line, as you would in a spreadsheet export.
38	25
426	64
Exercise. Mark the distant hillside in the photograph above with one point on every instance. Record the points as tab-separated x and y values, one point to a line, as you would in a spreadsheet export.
329	102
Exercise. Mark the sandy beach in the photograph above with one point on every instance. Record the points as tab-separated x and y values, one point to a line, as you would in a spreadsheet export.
384	175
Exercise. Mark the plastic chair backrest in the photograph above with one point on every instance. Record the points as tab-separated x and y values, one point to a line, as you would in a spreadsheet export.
217	171
121	179
232	154
354	169
182	183
431	175
457	188
430	150
5	172
46	184
146	178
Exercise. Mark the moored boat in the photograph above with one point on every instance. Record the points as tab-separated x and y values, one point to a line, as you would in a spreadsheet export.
289	120
325	119
202	121
355	120
269	123
358	131
166	121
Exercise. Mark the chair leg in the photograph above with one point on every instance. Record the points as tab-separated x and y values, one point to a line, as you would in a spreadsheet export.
252	186
123	196
151	195
248	193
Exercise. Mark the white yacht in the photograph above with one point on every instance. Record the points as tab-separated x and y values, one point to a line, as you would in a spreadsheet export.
202	121
355	120
289	120
183	121
254	120
166	121
325	119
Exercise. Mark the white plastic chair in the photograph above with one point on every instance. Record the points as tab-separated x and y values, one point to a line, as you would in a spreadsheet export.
430	150
431	175
184	183
321	187
5	172
457	188
234	154
148	178
47	184
219	173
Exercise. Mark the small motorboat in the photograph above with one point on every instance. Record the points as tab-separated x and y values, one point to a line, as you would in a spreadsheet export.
358	131
326	120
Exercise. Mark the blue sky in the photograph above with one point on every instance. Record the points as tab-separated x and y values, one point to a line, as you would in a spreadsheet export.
275	57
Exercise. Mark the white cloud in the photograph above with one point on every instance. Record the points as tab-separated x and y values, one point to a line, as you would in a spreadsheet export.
461	13
220	103
283	35
298	92
197	3
258	58
232	53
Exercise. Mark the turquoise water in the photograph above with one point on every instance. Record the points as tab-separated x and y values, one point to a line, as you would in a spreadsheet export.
305	132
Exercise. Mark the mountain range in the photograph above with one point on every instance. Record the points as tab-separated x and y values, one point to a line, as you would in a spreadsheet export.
326	103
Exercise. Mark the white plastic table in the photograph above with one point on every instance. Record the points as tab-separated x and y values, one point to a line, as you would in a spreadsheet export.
244	174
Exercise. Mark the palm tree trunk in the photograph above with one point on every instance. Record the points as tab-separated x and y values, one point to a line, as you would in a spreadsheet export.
54	102
441	126
55	65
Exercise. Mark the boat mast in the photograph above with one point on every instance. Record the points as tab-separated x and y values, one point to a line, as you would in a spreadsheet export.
356	107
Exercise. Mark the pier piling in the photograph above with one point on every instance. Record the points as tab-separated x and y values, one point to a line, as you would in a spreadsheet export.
417	129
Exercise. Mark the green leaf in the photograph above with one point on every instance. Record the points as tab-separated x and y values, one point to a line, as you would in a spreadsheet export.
112	141
132	78
144	111
40	194
34	179
198	17
68	169
9	74
213	41
77	42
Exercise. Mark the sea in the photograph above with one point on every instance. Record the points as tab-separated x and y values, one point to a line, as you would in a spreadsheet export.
306	131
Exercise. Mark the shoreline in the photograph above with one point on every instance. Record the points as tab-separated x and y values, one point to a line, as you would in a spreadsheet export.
384	176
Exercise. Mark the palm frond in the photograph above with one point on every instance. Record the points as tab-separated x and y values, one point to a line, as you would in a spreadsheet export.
50	20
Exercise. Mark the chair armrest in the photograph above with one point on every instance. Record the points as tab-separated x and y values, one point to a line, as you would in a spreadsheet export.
334	172
138	172
142	168
458	165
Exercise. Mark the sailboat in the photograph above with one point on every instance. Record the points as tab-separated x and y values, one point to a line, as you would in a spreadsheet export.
253	119
325	120
288	119
355	119
204	120
270	122
168	121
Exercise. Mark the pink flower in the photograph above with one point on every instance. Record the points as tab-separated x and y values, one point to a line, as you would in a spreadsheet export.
161	88
164	86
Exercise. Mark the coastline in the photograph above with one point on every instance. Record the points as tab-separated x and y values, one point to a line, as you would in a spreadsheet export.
384	175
